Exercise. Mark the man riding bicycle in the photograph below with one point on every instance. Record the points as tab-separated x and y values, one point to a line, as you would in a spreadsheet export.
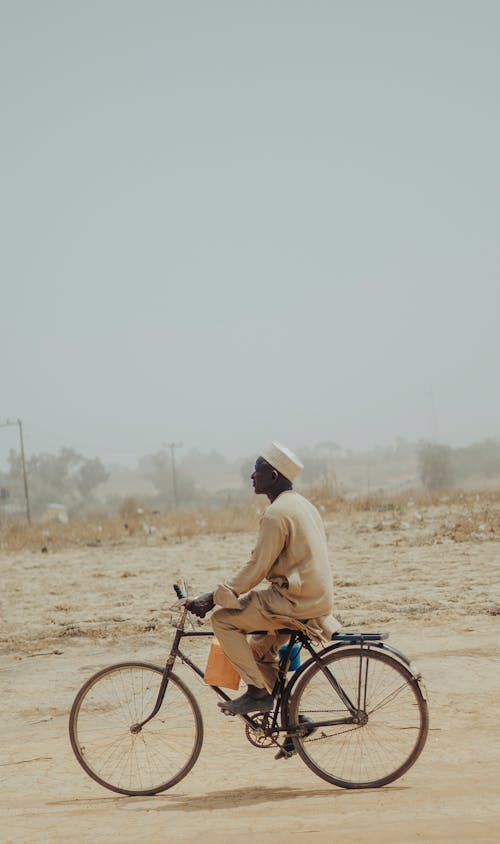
291	553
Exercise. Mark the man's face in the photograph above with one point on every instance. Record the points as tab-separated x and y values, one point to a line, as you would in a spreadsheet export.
263	477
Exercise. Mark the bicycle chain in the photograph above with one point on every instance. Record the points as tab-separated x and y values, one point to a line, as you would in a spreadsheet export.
270	740
330	735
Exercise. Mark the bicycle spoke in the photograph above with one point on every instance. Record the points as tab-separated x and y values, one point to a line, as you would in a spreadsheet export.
392	719
135	762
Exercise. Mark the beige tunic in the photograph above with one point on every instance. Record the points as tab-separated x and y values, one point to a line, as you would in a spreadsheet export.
291	553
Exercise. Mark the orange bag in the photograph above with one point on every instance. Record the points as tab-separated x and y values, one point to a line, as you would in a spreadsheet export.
220	671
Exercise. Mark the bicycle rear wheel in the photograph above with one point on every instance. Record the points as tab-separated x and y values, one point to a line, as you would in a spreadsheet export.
391	711
145	762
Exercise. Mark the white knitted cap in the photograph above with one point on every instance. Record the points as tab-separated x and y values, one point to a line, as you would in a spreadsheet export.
285	461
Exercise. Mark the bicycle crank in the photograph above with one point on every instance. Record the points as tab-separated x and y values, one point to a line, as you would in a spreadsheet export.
260	736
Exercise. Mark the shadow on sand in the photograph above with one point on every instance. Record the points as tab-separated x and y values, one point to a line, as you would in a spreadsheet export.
236	797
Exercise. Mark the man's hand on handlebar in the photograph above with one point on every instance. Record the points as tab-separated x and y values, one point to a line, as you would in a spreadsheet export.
201	604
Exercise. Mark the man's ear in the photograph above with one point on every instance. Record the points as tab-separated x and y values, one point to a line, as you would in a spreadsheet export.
275	475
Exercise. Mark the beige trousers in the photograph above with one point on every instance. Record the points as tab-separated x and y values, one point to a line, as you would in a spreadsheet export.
255	657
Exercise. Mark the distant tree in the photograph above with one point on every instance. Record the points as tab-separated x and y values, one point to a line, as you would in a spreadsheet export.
328	449
479	459
402	447
209	469
90	475
435	466
65	478
316	469
318	464
159	470
202	461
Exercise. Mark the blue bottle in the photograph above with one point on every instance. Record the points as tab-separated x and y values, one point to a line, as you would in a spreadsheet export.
294	656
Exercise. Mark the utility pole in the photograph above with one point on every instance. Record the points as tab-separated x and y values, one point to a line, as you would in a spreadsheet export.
7	424
433	414
172	447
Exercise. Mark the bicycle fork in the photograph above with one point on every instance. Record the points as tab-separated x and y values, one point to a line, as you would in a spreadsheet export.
136	728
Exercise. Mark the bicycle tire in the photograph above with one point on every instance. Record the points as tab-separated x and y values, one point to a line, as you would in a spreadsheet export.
364	755
150	761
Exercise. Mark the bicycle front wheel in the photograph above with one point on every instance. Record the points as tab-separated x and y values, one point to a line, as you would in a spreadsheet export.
145	762
383	738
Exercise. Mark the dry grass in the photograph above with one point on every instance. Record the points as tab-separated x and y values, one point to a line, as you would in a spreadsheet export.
322	498
465	515
136	526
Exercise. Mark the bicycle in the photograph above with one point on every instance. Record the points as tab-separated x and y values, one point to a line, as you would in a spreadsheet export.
355	712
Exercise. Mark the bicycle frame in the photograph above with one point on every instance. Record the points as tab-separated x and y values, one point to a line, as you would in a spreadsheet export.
176	652
282	688
355	676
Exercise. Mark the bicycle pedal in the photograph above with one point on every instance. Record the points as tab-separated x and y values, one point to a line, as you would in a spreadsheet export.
286	750
227	711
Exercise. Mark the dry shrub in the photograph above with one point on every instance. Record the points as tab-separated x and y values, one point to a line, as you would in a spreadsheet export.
130	509
19	536
472	521
329	503
461	516
472	515
209	521
133	524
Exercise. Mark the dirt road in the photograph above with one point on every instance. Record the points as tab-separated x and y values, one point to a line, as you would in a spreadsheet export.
65	615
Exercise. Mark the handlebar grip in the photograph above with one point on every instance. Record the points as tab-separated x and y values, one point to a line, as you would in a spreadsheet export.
178	591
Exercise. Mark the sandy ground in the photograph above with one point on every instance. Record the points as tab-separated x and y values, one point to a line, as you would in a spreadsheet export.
64	615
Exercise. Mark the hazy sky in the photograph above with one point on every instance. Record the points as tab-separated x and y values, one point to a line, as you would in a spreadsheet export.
229	222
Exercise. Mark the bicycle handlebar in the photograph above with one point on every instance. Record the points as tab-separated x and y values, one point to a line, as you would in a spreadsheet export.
178	591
